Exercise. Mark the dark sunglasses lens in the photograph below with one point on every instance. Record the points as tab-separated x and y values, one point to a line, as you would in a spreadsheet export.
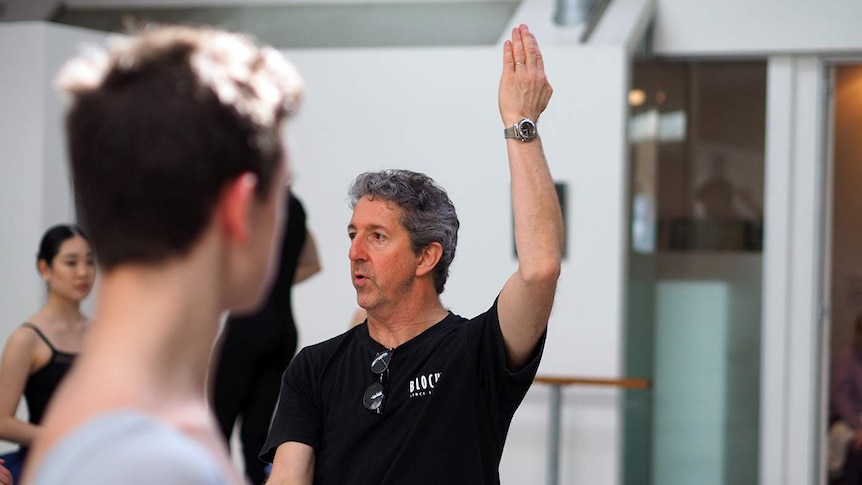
373	397
381	362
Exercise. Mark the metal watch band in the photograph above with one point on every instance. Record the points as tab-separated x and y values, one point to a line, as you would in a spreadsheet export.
511	132
518	132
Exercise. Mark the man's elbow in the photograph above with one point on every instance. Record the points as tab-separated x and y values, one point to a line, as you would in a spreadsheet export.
543	271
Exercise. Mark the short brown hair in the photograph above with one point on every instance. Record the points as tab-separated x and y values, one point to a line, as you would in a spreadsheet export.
159	123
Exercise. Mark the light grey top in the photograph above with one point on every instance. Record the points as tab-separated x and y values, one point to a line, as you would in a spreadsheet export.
131	448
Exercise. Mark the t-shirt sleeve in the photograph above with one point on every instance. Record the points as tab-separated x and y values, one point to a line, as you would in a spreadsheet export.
490	356
298	416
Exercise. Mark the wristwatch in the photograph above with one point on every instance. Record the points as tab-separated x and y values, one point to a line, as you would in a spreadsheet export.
524	130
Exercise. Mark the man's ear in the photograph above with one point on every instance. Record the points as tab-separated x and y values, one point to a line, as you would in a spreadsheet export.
235	207
428	258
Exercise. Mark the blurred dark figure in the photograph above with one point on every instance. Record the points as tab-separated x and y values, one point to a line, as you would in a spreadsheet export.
845	405
717	196
256	348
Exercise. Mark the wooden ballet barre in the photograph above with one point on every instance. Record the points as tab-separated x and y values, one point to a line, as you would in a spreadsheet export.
627	383
554	410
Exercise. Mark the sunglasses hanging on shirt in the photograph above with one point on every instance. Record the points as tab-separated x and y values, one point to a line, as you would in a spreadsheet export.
376	392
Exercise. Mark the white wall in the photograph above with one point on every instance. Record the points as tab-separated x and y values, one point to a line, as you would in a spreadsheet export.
21	193
34	193
739	27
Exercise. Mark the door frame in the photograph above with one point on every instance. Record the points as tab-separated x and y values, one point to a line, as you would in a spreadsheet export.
797	267
790	427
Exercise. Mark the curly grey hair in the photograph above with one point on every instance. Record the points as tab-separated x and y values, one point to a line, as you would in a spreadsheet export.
427	213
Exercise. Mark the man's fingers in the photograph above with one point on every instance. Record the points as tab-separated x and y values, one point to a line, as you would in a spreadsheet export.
530	47
508	59
540	63
518	47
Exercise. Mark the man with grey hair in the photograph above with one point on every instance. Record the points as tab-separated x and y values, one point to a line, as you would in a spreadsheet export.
417	394
180	173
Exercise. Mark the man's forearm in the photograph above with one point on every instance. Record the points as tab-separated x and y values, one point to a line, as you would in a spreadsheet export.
526	299
538	218
293	465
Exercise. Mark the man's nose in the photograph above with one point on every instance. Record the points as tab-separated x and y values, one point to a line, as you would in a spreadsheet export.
357	249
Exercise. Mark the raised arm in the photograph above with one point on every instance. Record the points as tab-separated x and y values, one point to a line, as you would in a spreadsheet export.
526	299
293	465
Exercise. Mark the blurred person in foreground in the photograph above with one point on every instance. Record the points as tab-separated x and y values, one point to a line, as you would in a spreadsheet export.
180	172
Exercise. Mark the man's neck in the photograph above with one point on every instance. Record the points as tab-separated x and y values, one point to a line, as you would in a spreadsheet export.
152	333
392	327
163	321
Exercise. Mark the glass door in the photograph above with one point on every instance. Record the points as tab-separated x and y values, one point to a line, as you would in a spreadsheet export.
697	144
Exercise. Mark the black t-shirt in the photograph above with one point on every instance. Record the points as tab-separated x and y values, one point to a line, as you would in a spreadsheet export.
449	400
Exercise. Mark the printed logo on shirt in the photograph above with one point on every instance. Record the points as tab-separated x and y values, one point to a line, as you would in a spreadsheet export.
424	384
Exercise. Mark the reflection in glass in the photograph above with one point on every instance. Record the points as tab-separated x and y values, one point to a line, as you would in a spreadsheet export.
694	273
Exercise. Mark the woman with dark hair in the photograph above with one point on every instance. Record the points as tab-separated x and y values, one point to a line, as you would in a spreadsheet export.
40	351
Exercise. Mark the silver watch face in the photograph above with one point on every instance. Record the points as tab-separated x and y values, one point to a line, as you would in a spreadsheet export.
527	129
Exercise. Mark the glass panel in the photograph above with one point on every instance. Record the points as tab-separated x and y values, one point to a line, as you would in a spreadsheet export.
697	133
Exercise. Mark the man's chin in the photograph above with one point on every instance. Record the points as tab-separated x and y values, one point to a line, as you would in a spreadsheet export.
362	301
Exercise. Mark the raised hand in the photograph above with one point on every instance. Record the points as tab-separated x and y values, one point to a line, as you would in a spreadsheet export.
524	89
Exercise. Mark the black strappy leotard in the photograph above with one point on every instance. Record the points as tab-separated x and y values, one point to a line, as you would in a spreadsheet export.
42	383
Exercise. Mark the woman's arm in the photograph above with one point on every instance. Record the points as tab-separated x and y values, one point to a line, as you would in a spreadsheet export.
15	367
309	262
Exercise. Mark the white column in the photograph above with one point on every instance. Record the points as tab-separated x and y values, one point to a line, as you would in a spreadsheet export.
792	268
